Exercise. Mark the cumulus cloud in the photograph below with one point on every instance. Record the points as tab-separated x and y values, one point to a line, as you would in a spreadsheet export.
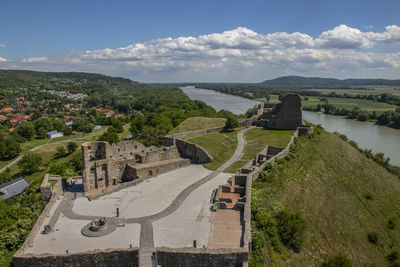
3	45
2	59
351	38
240	54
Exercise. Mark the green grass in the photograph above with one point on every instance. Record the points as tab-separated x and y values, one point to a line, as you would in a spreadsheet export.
126	131
373	91
220	145
273	99
198	123
340	193
347	103
256	140
76	137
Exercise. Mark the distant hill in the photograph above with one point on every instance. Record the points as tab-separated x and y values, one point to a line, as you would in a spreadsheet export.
317	82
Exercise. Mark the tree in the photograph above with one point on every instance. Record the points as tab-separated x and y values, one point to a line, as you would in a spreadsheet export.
41	133
9	147
71	146
110	136
30	163
26	130
231	123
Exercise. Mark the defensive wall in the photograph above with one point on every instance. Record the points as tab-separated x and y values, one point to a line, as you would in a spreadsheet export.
102	258
55	192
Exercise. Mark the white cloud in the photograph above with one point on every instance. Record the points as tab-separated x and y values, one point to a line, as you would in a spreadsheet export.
35	59
240	54
2	59
3	45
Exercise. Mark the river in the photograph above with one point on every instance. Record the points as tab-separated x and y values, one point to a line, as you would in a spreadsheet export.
367	135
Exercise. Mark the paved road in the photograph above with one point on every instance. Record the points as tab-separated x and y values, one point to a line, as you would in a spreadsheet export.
146	222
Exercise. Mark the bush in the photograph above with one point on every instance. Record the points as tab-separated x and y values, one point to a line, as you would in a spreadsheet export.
71	146
60	152
391	224
393	259
373	238
291	229
231	123
337	261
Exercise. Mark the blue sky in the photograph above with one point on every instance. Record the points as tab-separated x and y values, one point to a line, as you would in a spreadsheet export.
237	41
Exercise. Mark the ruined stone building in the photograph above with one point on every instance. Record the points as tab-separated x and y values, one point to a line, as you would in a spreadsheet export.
285	115
105	165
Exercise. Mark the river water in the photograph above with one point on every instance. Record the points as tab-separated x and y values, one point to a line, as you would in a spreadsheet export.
367	135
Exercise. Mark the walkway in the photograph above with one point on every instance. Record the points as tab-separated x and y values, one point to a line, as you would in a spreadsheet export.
146	222
40	146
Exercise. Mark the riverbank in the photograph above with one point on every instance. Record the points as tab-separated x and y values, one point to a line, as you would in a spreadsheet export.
379	139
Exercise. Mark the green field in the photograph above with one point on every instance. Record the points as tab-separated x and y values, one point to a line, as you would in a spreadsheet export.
373	91
256	140
348	103
198	123
343	197
220	145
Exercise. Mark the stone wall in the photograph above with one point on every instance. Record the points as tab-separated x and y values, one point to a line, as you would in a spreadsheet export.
46	190
194	152
56	192
98	258
284	115
183	257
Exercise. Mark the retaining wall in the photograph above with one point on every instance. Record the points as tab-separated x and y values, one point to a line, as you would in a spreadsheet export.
98	258
183	257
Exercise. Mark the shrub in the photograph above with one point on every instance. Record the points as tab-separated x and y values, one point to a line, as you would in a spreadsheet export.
391	224
60	152
231	123
291	229
393	259
337	261
373	238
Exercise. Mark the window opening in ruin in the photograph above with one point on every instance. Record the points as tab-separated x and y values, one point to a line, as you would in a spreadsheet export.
114	181
93	169
104	167
135	146
150	173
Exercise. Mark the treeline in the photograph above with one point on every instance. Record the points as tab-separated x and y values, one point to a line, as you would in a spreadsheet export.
254	91
387	118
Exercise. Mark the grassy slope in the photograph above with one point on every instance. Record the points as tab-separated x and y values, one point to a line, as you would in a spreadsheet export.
328	183
198	123
219	145
256	140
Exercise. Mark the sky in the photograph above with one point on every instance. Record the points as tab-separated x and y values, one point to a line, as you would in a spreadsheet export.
203	41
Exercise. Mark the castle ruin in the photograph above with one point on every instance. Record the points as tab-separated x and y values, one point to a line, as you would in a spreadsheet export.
106	166
284	116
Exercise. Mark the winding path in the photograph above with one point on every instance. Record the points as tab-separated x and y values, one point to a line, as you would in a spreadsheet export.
146	233
40	146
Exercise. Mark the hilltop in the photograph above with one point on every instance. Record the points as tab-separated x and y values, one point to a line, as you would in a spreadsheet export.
317	82
349	203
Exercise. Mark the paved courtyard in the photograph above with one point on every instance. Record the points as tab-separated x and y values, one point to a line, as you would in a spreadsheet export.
147	198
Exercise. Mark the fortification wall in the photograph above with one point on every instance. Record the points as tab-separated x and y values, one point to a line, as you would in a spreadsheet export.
56	192
98	258
192	151
183	257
